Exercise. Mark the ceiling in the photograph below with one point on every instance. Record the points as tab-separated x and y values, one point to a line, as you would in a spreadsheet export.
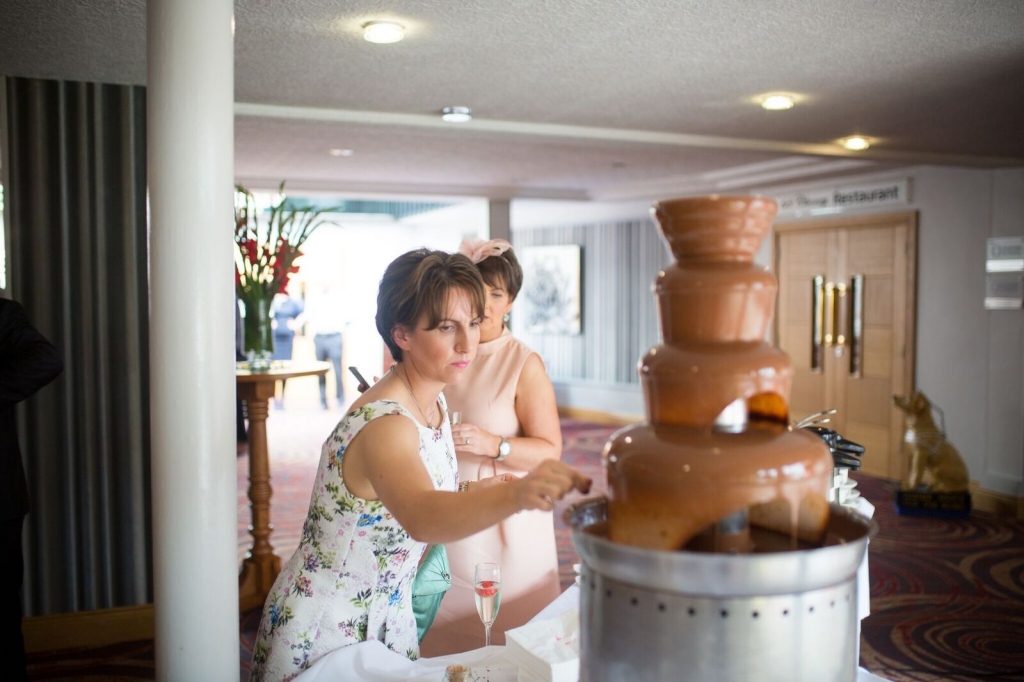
578	99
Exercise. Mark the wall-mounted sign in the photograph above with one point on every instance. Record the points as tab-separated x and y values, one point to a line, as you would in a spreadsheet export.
1005	254
1004	291
855	196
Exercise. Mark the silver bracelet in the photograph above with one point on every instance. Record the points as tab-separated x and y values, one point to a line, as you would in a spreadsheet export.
463	486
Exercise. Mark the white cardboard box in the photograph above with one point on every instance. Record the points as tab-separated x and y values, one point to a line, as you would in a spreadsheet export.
547	650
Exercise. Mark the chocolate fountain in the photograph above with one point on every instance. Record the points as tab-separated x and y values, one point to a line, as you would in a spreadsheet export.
716	556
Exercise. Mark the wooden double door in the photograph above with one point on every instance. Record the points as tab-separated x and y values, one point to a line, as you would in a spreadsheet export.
845	315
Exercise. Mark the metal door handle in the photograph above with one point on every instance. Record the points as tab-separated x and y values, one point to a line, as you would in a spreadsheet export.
830	312
818	321
856	325
839	331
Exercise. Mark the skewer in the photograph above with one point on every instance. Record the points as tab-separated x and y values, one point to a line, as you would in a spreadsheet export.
816	418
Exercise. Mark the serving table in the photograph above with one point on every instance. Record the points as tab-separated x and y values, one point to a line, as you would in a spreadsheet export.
373	662
256	388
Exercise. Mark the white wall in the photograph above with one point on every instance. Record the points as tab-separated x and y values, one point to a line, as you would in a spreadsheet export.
970	361
446	227
352	256
530	214
1004	413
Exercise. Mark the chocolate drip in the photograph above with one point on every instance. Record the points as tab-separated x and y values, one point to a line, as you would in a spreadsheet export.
677	476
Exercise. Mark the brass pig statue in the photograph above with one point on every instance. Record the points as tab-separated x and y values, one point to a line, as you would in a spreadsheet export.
935	465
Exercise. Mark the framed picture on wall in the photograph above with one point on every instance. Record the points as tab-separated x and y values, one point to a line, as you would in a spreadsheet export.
550	297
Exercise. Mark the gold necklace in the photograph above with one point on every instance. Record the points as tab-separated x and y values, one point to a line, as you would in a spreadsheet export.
405	382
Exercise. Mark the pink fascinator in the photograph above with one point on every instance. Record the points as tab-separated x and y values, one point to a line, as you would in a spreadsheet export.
479	249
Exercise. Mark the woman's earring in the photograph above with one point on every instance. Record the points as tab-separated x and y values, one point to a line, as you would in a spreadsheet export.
506	317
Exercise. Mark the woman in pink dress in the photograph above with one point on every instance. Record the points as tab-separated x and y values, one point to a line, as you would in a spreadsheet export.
509	425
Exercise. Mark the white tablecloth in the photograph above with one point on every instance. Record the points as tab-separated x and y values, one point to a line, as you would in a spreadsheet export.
374	662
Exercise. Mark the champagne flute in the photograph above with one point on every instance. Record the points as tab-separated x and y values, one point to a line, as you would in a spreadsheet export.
455	418
487	589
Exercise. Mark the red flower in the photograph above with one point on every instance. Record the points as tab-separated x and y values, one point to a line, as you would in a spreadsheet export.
267	250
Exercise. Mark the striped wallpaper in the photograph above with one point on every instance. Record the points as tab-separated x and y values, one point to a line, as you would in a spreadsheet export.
619	316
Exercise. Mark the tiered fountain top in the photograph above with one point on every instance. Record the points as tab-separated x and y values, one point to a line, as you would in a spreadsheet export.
715	228
688	467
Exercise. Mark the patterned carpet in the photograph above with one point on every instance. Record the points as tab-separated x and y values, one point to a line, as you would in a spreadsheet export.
947	595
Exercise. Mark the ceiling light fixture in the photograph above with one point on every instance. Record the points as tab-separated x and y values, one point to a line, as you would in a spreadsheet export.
383	31
855	143
340	152
456	114
777	102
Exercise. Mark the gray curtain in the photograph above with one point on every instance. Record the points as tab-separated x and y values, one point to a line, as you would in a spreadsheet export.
620	316
77	207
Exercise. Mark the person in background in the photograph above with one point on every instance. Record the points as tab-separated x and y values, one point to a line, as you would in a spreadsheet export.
284	309
27	363
387	483
325	313
509	426
241	435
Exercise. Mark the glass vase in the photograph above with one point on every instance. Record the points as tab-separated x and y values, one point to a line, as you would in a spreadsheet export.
258	341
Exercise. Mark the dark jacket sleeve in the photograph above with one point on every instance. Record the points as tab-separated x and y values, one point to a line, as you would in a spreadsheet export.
27	363
27	360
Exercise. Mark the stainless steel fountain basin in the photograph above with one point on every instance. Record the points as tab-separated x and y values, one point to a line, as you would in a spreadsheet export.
773	617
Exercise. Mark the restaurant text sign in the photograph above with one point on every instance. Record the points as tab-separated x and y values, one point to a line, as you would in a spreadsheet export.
875	194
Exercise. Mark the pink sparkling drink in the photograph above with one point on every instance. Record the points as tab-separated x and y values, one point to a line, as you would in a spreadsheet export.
487	592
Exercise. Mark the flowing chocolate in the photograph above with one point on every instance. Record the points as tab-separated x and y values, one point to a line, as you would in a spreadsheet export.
676	475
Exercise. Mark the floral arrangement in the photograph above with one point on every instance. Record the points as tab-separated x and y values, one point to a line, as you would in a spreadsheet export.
265	260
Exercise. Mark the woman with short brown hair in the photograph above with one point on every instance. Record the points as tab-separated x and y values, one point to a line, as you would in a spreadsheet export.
387	481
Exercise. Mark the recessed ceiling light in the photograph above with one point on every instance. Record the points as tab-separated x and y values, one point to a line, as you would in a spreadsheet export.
855	143
777	102
340	152
456	114
383	31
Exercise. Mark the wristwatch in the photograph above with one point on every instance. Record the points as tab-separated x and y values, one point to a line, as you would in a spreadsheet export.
504	449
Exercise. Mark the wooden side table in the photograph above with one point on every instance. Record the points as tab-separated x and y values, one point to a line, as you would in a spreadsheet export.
256	388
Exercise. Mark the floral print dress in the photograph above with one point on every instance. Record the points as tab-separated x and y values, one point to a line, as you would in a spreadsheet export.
351	577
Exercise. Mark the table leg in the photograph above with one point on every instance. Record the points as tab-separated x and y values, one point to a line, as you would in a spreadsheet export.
261	565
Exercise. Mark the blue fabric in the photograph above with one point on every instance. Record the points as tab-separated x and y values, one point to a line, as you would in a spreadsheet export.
328	349
283	334
432	581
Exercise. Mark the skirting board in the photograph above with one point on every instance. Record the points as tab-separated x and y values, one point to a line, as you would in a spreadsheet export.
82	629
1002	505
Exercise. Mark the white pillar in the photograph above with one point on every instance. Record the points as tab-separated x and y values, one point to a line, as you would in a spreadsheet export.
499	219
190	125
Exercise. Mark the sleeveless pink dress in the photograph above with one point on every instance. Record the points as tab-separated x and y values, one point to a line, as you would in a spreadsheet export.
524	544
